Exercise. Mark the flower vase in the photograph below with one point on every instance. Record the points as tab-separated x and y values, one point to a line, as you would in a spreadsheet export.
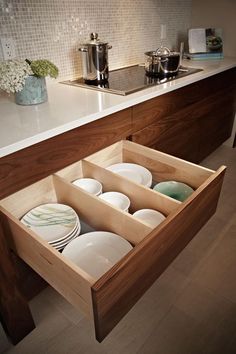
33	92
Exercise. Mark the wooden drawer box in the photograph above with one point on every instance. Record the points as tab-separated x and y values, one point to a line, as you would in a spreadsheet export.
108	299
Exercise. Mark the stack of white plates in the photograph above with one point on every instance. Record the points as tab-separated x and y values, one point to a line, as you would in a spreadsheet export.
58	224
134	172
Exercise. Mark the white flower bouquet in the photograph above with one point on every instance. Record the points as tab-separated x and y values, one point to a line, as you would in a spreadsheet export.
13	73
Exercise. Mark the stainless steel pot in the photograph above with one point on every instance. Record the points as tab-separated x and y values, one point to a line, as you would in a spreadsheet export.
162	62
95	60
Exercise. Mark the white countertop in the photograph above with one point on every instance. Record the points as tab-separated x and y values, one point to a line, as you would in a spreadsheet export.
69	107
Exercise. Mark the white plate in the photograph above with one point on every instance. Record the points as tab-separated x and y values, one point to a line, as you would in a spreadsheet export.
63	241
150	216
96	252
134	172
52	221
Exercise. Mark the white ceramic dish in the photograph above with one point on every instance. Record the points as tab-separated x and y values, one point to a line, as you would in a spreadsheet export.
96	252
52	221
150	216
177	190
134	172
65	240
90	185
117	199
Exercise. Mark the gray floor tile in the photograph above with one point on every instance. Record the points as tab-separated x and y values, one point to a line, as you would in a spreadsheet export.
63	305
217	273
49	322
174	335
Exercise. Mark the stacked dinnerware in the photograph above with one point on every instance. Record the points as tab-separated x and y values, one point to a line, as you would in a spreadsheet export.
96	252
133	172
58	224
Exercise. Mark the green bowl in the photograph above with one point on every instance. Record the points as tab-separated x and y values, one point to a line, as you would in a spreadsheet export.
176	190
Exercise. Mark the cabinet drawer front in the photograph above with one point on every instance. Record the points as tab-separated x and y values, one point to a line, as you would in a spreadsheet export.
106	300
50	155
165	105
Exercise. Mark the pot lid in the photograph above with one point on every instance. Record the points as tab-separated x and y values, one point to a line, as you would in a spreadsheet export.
94	40
162	52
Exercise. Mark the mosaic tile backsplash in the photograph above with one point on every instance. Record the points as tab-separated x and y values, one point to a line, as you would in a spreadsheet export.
54	29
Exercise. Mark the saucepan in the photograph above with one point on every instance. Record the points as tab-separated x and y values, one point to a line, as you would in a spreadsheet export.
162	62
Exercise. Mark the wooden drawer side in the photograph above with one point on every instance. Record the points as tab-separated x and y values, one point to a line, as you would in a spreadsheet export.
140	196
116	292
165	167
99	214
59	272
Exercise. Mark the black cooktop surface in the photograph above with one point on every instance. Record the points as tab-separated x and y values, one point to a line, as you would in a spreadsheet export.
130	79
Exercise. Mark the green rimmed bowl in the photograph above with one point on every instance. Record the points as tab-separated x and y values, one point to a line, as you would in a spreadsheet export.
176	190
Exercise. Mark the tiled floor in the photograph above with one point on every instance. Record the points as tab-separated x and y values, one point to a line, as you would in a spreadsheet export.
190	309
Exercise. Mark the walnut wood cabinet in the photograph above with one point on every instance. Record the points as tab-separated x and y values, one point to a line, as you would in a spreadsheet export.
23	168
190	122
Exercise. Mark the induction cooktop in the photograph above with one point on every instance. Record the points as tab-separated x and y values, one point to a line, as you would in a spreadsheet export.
130	79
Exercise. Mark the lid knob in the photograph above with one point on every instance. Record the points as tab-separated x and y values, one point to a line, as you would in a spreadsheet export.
93	36
162	51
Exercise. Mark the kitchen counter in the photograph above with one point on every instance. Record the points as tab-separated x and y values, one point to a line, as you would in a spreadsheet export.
70	107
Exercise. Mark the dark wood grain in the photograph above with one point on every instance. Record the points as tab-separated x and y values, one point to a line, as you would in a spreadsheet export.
165	105
193	132
176	134
117	291
40	160
15	313
216	125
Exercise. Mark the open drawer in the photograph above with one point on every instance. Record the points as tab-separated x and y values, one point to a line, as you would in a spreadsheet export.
106	300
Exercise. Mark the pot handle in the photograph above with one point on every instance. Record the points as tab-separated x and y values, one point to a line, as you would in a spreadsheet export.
109	46
83	49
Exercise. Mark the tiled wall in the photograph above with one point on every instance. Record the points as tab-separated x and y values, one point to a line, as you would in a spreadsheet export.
53	29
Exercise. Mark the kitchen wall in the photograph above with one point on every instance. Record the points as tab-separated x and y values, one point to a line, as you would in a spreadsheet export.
53	29
217	13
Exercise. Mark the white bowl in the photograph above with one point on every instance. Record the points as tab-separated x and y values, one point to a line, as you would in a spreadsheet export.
96	252
90	185
132	171
150	216
117	199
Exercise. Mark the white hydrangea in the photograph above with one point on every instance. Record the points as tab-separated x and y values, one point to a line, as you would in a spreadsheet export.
13	74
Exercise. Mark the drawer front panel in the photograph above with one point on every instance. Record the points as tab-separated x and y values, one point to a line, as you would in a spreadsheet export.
53	154
193	132
150	111
115	293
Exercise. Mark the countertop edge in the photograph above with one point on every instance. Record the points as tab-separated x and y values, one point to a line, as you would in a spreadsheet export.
130	101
